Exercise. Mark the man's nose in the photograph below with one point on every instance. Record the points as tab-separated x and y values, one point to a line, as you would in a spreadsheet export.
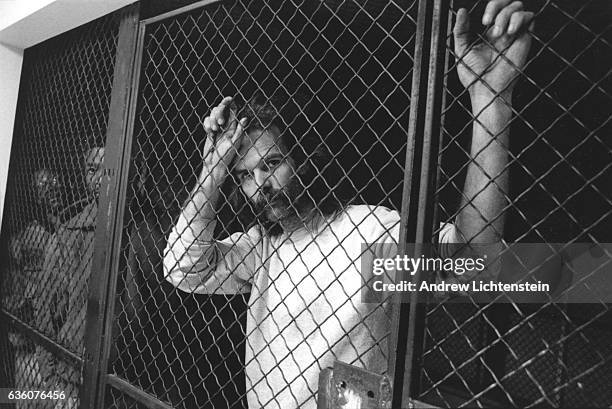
262	179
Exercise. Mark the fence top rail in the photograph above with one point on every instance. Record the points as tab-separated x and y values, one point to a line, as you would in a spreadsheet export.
176	12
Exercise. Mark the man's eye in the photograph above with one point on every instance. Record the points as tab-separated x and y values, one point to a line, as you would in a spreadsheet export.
244	176
273	163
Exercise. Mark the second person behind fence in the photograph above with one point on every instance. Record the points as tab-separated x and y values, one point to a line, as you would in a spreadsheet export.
300	260
66	271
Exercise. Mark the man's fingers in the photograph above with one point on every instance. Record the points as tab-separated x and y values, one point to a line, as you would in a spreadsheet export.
231	115
207	126
219	116
211	119
519	21
235	140
239	131
503	18
461	32
220	113
229	132
224	105
226	100
493	7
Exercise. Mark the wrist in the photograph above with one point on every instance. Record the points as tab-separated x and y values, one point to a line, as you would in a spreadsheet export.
218	171
481	96
486	101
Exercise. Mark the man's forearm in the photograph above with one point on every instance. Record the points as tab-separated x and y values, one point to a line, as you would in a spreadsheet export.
199	213
481	218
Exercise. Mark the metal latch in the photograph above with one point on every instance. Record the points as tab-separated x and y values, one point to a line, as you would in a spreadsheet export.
346	386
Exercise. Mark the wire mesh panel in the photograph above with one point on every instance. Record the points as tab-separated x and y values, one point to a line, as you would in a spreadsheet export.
50	214
331	81
532	352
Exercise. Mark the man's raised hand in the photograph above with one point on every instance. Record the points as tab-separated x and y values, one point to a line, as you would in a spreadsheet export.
223	136
498	61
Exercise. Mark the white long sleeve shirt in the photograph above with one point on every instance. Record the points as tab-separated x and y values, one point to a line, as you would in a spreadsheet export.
305	308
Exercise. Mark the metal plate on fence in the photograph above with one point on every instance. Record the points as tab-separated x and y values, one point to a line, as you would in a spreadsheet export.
347	386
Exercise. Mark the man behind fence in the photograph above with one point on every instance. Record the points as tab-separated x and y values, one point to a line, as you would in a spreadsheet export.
67	267
27	251
301	260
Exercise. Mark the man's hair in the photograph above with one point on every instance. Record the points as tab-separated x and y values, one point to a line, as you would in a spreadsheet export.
314	164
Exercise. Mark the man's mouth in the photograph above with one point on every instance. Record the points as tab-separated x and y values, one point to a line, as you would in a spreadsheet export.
271	205
273	202
267	205
271	199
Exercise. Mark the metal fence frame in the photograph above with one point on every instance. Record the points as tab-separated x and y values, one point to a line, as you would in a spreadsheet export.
419	183
107	237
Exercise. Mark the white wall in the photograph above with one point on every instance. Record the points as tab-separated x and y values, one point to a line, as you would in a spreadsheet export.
10	71
28	22
24	23
11	11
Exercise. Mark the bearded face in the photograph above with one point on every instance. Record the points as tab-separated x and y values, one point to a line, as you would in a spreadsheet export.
280	205
266	177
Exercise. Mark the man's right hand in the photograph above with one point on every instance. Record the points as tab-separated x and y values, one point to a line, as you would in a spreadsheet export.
223	136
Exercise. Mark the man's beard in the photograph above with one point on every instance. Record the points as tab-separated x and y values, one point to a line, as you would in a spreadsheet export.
281	206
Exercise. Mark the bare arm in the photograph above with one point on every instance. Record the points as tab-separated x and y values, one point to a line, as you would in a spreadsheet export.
481	219
489	71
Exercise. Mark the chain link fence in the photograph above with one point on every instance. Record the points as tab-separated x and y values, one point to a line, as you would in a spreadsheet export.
49	217
327	87
534	352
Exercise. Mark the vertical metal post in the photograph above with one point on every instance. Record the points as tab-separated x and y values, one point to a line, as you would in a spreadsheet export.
418	207
401	308
427	205
98	334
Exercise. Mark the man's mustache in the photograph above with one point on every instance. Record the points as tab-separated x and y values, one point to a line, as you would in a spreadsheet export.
270	197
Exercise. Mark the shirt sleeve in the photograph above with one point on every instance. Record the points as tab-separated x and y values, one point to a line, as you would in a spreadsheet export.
214	267
447	236
386	230
388	226
452	244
